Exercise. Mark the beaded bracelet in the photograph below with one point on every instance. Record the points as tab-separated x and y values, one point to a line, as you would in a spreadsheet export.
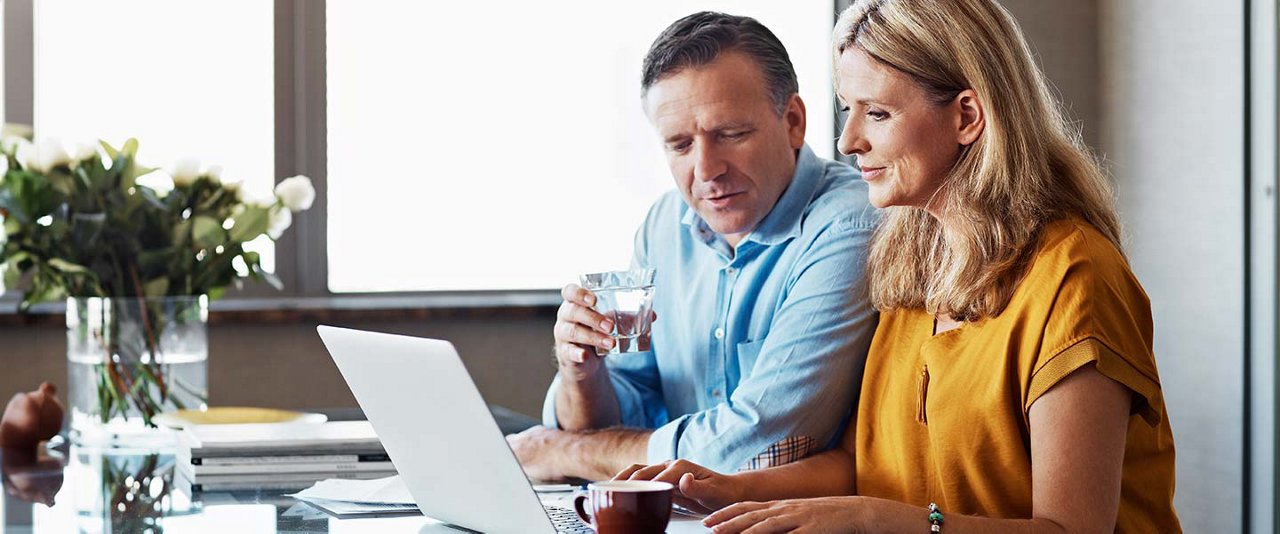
935	518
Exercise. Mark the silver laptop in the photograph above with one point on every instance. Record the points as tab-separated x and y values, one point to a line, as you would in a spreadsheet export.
440	434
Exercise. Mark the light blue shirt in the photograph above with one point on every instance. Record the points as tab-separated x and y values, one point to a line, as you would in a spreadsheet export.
754	346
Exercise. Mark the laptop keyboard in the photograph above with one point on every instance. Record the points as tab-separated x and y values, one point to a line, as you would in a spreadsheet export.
566	520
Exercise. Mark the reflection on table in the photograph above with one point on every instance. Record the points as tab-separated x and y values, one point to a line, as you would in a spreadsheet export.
91	491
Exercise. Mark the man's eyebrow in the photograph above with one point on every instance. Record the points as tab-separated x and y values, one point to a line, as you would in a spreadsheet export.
718	128
734	126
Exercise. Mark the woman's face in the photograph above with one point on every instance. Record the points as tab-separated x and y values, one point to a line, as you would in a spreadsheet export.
905	144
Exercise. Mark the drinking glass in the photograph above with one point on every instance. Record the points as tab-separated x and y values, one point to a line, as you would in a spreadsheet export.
626	298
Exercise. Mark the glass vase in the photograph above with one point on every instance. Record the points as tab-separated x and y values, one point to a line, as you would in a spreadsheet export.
130	359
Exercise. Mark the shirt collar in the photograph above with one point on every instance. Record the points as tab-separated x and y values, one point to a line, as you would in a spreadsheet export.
783	221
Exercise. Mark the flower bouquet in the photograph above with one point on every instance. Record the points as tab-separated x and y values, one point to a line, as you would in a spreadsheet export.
137	253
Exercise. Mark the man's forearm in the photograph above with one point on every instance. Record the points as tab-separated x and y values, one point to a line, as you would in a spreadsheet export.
587	404
600	454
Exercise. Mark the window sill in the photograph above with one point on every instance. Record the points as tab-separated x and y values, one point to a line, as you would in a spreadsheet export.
339	308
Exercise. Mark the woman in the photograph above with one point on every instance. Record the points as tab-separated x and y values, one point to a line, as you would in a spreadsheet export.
1011	379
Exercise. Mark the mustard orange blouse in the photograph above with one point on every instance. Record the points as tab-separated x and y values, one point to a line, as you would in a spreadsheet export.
944	418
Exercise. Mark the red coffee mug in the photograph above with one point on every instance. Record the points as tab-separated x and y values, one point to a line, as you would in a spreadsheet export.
625	506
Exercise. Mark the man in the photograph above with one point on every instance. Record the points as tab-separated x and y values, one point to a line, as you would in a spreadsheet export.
763	320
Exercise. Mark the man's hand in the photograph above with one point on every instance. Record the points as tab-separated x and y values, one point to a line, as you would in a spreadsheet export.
697	488
579	332
540	451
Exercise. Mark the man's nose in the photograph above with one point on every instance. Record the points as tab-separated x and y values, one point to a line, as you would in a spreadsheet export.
708	164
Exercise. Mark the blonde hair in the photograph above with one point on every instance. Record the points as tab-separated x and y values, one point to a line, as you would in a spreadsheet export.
1028	168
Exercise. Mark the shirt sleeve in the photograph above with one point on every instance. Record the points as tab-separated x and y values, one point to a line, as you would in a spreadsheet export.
636	382
807	376
636	386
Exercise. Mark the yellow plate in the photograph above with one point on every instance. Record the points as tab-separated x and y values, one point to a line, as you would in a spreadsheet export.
232	415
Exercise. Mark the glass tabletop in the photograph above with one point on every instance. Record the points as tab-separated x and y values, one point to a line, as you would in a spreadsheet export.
86	490
135	491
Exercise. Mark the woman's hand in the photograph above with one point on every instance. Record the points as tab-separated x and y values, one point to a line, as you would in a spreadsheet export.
697	488
825	514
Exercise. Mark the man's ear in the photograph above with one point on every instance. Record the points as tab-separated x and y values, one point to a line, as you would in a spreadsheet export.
795	117
972	117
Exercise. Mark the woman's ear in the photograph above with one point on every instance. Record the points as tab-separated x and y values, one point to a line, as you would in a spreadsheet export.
973	118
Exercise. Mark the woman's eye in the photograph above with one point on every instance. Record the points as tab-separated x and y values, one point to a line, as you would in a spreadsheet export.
877	115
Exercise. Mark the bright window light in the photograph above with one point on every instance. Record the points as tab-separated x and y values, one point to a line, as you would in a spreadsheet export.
188	79
502	145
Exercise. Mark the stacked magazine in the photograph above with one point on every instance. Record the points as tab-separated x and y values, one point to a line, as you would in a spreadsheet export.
284	456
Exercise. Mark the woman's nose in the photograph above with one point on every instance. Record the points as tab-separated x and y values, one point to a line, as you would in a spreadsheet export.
851	141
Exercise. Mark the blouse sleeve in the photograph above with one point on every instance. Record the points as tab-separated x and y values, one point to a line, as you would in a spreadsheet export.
1148	402
1099	315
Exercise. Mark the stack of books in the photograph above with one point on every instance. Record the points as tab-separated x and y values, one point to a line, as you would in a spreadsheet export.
283	456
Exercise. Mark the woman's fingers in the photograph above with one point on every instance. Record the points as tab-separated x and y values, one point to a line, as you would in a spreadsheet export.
625	474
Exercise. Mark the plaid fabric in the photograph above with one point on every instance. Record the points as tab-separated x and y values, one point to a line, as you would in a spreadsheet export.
780	453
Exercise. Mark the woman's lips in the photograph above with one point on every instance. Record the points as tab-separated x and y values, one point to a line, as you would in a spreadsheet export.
872	173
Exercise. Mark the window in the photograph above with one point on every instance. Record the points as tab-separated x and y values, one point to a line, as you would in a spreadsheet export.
188	79
456	148
503	146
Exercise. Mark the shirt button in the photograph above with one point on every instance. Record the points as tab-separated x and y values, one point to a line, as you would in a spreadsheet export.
729	271
715	393
719	333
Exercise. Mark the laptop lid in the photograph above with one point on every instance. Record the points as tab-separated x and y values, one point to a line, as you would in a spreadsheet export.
437	430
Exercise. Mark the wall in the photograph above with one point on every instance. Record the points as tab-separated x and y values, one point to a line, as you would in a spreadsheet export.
1172	129
286	366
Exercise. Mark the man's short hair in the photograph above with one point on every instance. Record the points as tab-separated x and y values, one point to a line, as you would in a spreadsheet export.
700	38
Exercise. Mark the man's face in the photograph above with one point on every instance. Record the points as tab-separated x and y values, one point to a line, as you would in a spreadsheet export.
730	152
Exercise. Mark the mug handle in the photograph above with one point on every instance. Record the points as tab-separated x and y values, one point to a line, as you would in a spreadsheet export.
578	501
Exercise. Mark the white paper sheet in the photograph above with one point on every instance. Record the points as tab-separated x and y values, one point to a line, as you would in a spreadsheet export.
390	490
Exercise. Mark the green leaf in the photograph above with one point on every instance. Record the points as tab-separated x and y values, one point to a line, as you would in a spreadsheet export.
86	228
156	288
181	232
130	148
216	293
68	267
132	171
250	224
207	232
111	151
13	270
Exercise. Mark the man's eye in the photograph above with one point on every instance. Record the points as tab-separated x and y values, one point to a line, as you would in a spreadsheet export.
679	147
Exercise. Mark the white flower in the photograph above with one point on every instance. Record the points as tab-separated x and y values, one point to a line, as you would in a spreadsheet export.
296	193
44	156
214	172
157	181
10	143
185	171
84	151
279	221
4	169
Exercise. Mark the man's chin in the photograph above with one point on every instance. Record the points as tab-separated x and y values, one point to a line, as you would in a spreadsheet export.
729	228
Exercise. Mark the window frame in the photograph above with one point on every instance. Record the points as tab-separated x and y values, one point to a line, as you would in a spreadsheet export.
300	108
